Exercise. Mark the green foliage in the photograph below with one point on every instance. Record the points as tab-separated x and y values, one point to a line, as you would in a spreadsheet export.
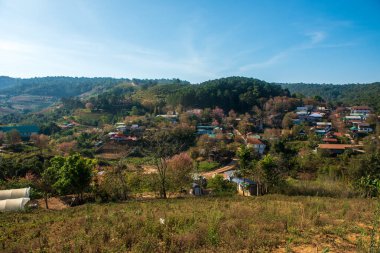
70	174
18	165
205	166
220	186
55	86
365	171
237	93
349	94
268	172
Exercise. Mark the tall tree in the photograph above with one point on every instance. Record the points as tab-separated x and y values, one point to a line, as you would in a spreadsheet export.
163	145
244	155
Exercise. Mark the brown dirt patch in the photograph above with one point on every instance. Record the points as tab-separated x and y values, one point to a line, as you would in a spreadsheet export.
54	204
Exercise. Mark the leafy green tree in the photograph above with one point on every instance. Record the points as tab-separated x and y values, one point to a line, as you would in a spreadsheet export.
365	172
219	185
70	174
46	183
134	111
244	155
269	172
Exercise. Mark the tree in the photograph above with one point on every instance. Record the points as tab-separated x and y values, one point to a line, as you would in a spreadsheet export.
365	172
2	137
179	169
71	174
244	155
48	178
50	128
13	137
164	144
89	106
134	111
41	141
119	171
287	121
66	147
268	171
219	185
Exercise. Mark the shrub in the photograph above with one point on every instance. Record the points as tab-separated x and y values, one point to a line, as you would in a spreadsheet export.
220	186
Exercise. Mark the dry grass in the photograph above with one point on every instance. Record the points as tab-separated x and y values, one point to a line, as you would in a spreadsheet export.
272	223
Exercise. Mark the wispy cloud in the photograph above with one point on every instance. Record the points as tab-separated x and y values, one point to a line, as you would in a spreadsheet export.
316	37
269	62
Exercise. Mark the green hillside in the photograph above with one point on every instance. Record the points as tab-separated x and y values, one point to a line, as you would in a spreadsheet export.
348	94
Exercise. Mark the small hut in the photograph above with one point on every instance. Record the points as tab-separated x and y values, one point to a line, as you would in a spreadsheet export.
246	187
196	189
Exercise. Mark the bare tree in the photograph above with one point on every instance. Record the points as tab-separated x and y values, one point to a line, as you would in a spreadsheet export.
163	145
13	137
119	171
41	141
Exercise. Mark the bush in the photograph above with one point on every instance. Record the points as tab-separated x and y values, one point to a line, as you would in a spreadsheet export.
322	188
220	186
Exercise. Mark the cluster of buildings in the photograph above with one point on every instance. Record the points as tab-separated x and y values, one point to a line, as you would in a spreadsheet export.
356	120
126	133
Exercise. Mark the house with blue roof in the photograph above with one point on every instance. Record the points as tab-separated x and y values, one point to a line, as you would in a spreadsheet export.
246	187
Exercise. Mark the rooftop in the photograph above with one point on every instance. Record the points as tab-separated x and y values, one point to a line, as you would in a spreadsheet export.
254	141
335	146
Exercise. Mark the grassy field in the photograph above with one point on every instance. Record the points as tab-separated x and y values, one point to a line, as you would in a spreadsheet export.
272	223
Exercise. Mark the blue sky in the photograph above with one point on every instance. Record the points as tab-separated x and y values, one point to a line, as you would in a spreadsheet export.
324	41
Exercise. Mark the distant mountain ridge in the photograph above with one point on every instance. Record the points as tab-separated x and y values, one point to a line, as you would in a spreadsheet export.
349	94
62	86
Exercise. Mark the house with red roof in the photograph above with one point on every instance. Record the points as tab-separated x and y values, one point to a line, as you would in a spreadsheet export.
256	144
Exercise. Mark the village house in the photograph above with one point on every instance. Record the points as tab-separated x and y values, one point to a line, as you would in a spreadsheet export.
315	117
336	148
361	110
352	119
256	144
360	127
330	140
246	187
120	126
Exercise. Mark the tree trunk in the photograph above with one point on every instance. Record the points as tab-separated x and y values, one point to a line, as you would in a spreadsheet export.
161	168
257	189
46	200
243	187
164	193
123	186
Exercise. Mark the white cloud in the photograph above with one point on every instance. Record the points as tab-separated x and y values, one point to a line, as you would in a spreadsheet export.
316	37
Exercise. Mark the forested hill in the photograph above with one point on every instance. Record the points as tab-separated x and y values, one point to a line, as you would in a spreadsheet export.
67	86
238	93
348	94
231	92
